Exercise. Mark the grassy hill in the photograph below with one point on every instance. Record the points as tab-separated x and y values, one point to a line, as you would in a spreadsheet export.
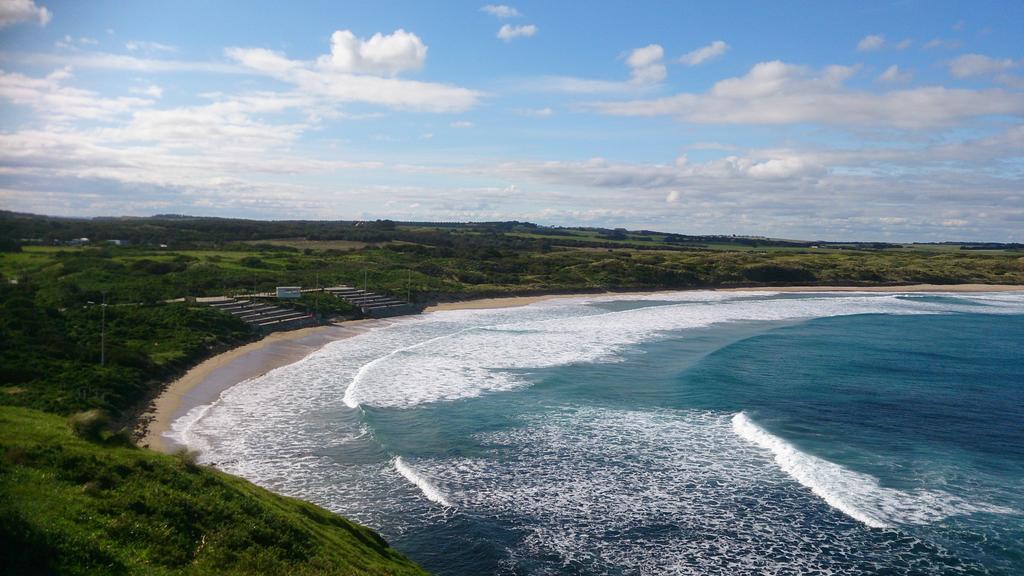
76	506
71	505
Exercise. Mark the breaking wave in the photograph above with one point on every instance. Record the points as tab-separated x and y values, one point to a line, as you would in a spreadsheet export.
429	490
463	363
855	494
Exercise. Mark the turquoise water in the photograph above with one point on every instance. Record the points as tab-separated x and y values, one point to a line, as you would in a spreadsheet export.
691	433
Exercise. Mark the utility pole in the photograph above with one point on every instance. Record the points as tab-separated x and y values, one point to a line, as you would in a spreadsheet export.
103	331
365	271
408	286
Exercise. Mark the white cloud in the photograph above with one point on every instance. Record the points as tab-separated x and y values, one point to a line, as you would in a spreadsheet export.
107	61
71	43
711	146
500	11
840	194
153	91
1011	80
904	44
704	53
871	43
574	85
229	124
645	64
895	74
18	11
780	93
601	173
462	124
979	64
509	32
265	61
388	54
48	95
948	44
145	46
535	112
328	78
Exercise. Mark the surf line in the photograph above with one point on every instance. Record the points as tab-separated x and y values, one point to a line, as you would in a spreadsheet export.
349	397
429	490
350	393
810	471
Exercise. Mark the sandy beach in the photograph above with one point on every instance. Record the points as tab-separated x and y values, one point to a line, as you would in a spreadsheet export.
517	301
204	383
510	301
907	288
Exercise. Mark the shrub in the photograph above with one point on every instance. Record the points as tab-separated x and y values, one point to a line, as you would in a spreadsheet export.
89	424
189	459
252	262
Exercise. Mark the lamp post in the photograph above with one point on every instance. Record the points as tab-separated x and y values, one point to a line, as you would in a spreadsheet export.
103	329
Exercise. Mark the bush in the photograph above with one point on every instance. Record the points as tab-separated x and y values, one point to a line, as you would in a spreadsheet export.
252	262
189	459
89	424
157	268
9	245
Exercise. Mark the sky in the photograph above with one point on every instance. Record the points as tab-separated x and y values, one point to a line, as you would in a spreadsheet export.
890	121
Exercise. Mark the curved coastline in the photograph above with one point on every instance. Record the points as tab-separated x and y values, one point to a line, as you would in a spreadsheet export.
204	383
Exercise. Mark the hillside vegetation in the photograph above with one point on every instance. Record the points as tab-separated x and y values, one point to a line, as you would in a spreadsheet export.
101	506
207	256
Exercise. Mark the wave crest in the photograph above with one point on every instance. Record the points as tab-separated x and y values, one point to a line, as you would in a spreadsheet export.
855	494
429	490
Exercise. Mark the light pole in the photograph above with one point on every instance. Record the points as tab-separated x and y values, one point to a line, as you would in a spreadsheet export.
102	332
103	329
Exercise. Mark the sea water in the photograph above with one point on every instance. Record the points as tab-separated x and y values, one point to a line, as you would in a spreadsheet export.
684	433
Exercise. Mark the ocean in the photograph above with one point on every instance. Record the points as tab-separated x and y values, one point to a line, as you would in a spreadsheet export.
676	433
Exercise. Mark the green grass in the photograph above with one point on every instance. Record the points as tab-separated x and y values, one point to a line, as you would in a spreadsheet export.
72	506
303	244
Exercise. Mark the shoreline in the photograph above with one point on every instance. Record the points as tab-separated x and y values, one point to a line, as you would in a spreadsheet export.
518	301
205	382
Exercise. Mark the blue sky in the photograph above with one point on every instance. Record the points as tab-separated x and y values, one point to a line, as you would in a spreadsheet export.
842	120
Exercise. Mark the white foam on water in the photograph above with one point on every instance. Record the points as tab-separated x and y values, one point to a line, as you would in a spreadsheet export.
350	392
855	494
180	429
656	492
431	492
491	356
643	491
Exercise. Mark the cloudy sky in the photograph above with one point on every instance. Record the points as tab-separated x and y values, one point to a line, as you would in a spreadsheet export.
818	120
